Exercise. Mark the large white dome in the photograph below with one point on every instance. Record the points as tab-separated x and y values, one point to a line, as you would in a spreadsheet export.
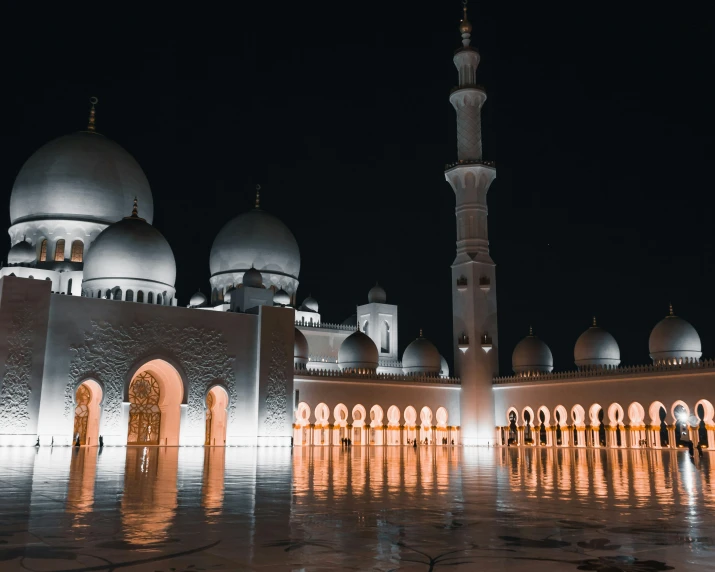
21	253
82	176
130	249
674	338
532	355
421	357
255	239
596	348
358	351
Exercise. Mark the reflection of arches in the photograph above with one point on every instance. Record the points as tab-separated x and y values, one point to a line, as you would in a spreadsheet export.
636	414
216	408
155	395
393	415
340	413
376	415
442	417
410	416
88	398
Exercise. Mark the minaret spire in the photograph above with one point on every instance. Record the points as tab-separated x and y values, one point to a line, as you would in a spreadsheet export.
465	27
135	208
258	196
91	124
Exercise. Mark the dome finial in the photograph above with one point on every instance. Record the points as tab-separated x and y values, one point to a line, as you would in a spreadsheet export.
258	196
594	322
465	27
670	307
135	208
420	332
91	125
531	331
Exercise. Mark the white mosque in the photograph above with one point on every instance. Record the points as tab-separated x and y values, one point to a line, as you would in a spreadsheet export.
96	346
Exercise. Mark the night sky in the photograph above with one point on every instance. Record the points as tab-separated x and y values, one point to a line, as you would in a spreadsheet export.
600	122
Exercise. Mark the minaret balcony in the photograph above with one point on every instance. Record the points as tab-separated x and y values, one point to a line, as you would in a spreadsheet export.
486	343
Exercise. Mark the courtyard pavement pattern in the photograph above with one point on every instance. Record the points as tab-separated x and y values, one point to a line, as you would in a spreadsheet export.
376	508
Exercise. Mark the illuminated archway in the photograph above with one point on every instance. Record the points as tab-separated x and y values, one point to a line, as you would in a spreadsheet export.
680	413
358	433
426	435
376	431
410	416
321	433
216	419
615	422
659	428
155	394
393	425
704	411
442	417
598	429
528	417
340	423
301	435
543	416
87	413
560	426
512	417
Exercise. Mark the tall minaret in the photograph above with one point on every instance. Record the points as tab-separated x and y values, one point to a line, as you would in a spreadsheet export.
474	299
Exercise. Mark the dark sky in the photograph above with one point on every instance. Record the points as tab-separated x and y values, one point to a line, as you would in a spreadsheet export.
600	121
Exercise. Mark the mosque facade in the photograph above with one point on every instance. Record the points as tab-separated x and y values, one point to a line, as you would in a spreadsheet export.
97	349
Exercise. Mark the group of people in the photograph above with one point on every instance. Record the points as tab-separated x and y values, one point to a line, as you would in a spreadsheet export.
413	442
346	442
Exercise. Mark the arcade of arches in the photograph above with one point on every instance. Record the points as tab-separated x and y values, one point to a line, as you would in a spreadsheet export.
372	427
612	426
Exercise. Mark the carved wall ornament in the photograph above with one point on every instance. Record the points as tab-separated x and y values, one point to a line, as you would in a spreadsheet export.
15	391
277	392
109	352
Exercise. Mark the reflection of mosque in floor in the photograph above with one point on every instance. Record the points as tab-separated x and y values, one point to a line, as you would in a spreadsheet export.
95	342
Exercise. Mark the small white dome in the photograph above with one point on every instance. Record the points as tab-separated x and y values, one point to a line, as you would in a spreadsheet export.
358	351
674	338
257	239
310	304
532	355
377	295
596	348
198	299
444	367
21	253
421	357
252	278
281	298
130	249
82	176
300	350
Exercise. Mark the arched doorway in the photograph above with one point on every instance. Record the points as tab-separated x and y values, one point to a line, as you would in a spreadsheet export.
358	433
155	396
376	430
410	416
513	438
680	419
393	425
216	408
301	433
88	397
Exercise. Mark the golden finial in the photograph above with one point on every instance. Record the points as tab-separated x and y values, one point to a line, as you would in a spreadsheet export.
465	27
671	309
594	321
531	331
420	332
135	208
91	127
258	196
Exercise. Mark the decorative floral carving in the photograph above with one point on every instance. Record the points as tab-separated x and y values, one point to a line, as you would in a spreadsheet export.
109	351
15	392
277	392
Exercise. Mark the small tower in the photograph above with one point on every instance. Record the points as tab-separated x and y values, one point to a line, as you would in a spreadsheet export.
474	300
378	320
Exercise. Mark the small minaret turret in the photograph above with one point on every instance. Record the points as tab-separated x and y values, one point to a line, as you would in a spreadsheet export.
473	278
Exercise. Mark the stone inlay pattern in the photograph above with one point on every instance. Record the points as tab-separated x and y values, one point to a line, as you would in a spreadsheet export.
109	351
15	392
276	420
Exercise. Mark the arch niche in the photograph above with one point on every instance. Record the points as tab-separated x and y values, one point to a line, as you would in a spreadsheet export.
376	432
216	417
155	395
87	413
410	432
393	425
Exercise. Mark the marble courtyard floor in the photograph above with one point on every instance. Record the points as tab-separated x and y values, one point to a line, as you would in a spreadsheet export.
377	508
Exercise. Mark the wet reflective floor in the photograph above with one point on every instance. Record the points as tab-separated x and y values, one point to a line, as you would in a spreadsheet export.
377	508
